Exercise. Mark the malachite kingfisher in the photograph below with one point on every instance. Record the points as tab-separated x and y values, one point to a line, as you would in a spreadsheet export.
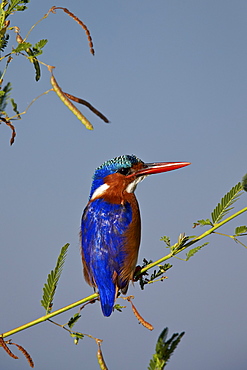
111	225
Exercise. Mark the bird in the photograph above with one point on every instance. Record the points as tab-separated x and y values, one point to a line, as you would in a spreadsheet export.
111	225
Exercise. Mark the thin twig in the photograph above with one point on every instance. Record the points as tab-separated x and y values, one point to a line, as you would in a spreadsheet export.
191	242
25	111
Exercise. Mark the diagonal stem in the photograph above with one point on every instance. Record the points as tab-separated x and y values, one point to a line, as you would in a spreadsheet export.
46	317
191	242
95	295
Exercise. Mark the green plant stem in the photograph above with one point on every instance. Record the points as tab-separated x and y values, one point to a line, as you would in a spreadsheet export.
148	267
234	238
191	242
46	317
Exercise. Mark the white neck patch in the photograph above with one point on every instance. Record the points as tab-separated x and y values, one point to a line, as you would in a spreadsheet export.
99	191
132	186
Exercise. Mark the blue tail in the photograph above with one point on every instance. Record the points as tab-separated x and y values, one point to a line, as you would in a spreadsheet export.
107	298
106	287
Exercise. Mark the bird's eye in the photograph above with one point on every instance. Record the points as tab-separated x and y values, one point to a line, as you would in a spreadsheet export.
124	171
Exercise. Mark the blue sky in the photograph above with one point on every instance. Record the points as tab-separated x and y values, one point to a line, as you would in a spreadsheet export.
171	77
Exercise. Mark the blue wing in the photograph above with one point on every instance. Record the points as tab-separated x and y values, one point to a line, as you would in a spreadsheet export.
102	234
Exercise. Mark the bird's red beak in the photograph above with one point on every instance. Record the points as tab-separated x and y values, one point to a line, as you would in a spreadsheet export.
151	168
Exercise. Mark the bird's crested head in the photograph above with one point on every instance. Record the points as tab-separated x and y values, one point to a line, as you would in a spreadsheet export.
121	165
123	173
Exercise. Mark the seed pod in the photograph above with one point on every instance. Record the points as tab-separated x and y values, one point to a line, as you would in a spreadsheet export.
139	317
6	348
69	104
19	39
73	16
100	358
87	104
8	123
25	353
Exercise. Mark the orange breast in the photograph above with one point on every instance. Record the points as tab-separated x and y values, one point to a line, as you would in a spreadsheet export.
131	246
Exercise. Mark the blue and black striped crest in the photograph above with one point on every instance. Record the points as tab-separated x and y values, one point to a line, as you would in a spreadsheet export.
112	166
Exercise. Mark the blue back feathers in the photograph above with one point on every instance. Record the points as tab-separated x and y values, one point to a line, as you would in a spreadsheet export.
102	228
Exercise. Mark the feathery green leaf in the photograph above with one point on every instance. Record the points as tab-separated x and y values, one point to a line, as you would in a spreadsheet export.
203	223
4	42
182	239
76	337
40	44
164	349
73	320
2	17
52	280
157	274
240	230
193	251
37	68
226	203
118	307
23	46
15	5
167	240
244	182
15	108
4	96
26	46
144	277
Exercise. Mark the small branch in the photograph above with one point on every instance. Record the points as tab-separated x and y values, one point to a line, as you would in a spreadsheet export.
45	16
238	241
50	315
232	237
73	332
229	236
29	106
191	242
160	279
